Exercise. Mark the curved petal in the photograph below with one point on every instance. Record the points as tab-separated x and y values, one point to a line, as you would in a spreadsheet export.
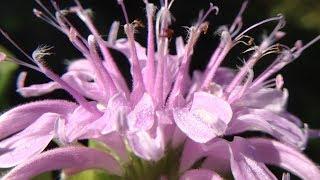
212	104
77	123
123	46
143	115
194	127
83	81
275	153
243	163
116	143
35	89
207	118
271	123
202	174
85	66
271	99
29	142
224	76
193	151
81	65
79	158
22	116
145	146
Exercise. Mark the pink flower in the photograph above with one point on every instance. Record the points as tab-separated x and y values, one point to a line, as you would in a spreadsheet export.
167	116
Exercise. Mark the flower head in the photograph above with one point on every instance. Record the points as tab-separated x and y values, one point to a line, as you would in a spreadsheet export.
167	116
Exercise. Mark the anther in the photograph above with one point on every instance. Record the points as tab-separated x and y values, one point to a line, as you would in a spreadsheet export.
138	24
38	13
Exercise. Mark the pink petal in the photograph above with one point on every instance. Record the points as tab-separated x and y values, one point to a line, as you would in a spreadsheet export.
208	117
143	114
271	123
275	153
193	151
202	174
83	81
147	147
78	122
115	142
22	116
243	163
36	89
123	46
84	66
212	104
29	142
79	158
195	127
272	99
81	65
113	119
224	76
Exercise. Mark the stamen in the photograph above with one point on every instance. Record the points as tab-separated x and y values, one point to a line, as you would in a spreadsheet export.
211	9
138	85
150	67
77	42
282	60
258	54
45	9
110	64
46	19
286	57
41	52
195	32
275	33
171	2
277	18
124	11
113	33
279	35
243	89
20	62
300	50
248	42
103	75
50	74
237	23
163	31
15	45
217	58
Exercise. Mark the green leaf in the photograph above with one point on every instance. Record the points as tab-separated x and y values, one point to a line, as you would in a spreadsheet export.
43	176
92	175
7	69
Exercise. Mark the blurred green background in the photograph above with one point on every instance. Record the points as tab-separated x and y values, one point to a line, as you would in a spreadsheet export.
303	22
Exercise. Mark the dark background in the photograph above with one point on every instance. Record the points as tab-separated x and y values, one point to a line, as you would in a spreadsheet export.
301	77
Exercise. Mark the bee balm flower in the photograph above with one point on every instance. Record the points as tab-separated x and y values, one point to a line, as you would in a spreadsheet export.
167	121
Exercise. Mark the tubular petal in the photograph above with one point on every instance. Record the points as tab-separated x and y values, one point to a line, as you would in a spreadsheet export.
22	116
275	153
243	164
79	158
202	174
29	142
